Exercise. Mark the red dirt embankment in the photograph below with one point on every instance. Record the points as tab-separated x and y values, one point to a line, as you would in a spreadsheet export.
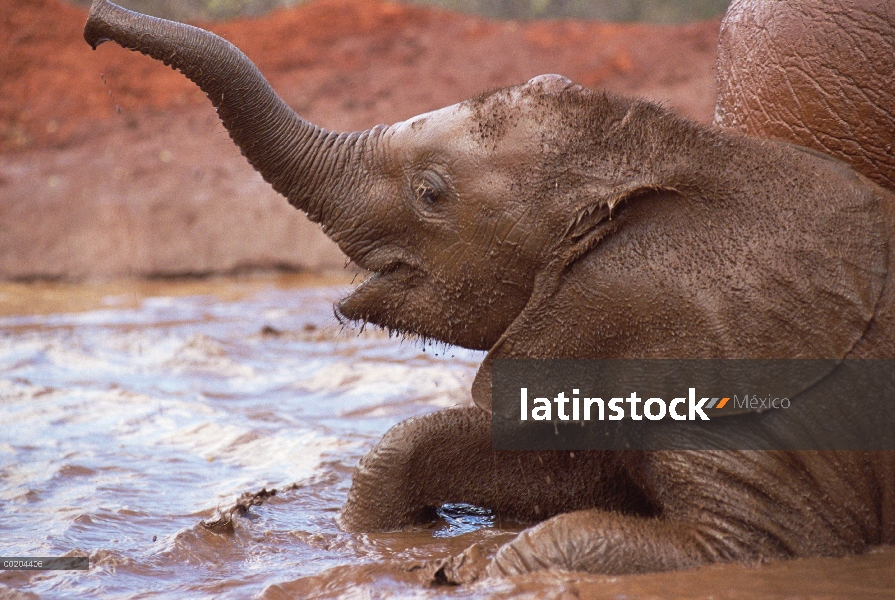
111	163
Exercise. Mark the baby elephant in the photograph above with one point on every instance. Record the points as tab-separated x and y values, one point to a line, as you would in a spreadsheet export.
547	220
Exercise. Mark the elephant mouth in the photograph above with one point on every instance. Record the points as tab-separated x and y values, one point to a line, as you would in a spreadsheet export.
389	268
392	275
381	263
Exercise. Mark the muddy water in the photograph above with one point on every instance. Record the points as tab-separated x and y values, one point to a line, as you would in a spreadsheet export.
131	414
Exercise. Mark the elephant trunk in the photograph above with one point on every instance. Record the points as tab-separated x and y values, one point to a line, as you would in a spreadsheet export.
301	161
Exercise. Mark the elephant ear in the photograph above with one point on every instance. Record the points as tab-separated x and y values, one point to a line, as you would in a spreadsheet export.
591	223
757	271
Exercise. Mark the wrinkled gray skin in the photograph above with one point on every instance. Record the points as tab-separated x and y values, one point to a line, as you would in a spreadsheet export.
547	220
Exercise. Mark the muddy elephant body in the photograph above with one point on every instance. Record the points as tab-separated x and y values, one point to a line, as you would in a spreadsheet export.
551	221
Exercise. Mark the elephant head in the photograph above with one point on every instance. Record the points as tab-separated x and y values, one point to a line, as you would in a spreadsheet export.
475	219
455	212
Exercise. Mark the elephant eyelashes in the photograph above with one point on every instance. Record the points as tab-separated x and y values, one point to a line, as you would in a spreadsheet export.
426	194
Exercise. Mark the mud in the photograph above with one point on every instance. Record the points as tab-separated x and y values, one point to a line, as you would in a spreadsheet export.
145	424
111	164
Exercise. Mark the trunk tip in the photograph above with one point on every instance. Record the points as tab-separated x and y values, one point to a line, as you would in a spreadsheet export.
92	37
95	30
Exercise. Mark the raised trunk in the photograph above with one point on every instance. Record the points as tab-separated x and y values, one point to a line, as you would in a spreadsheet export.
300	160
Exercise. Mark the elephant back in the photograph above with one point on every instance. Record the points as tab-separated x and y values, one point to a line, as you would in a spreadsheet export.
818	73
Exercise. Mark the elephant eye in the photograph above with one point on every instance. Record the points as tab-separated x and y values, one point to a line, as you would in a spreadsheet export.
426	193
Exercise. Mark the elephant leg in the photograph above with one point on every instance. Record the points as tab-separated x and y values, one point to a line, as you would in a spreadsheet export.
425	462
714	507
598	541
